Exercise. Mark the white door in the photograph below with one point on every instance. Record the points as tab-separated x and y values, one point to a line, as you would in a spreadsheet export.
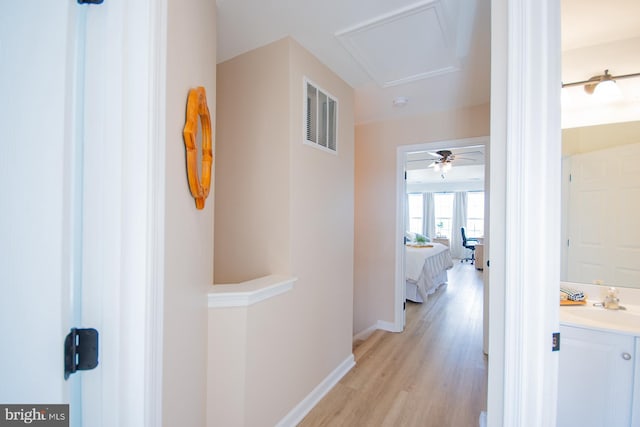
41	220
603	245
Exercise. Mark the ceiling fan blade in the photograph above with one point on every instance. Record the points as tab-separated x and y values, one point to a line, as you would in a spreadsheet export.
432	164
434	154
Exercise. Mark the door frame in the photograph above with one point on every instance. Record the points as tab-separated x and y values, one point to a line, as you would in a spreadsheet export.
134	81
401	189
525	218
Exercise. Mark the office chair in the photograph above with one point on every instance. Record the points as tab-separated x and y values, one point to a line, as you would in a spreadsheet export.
469	244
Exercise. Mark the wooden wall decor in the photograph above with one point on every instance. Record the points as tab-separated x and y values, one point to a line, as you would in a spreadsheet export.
198	112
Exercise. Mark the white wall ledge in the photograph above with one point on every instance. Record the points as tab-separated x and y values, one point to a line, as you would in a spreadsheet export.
247	293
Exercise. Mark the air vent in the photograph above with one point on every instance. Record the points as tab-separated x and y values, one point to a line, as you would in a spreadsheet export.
321	117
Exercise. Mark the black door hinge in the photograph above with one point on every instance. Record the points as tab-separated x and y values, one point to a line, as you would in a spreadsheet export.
555	342
90	1
80	351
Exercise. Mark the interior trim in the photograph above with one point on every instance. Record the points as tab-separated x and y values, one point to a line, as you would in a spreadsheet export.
525	267
247	293
306	405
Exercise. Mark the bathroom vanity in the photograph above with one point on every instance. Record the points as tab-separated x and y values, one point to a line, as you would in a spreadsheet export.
599	378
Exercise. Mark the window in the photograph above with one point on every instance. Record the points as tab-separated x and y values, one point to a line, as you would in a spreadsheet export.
475	214
416	212
320	118
443	209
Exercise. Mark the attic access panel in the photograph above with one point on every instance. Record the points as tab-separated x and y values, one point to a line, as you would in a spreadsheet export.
405	46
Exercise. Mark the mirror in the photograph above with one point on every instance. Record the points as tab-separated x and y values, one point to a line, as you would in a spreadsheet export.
600	232
600	226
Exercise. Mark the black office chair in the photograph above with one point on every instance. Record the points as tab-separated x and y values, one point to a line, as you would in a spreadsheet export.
469	244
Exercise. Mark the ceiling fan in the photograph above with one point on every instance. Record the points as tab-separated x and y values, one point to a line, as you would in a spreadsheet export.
442	160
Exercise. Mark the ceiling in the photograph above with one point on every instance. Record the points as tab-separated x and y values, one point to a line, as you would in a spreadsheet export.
435	53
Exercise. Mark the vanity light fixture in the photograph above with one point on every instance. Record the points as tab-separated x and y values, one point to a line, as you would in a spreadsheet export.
603	85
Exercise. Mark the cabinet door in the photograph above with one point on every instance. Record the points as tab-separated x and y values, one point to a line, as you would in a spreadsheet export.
595	383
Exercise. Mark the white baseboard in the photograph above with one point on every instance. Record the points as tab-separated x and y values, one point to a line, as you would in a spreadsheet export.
363	335
380	324
388	326
302	409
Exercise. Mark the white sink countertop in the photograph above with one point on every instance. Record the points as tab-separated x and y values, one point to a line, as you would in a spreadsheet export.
623	321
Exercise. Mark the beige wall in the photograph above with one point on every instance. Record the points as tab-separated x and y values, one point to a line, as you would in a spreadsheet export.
252	166
591	138
298	221
375	200
191	62
322	224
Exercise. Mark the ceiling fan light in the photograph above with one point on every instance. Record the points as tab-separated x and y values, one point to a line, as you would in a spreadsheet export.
446	167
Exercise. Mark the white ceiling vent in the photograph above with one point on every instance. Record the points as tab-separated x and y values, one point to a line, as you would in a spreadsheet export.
404	46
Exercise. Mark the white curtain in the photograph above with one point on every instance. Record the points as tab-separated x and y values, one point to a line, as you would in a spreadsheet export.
429	215
458	221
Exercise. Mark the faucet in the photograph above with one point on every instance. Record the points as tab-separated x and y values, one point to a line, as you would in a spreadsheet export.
611	301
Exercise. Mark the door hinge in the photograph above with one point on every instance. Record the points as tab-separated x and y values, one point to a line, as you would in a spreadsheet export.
404	305
80	351
555	341
90	1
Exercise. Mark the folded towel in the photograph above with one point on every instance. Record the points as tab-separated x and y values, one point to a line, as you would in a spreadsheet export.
572	294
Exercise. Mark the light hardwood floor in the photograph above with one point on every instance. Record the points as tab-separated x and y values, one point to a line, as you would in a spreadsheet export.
432	374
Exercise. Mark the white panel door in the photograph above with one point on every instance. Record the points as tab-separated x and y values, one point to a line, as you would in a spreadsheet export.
604	195
37	55
47	220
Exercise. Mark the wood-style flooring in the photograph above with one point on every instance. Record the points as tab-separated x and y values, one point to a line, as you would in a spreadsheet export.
432	374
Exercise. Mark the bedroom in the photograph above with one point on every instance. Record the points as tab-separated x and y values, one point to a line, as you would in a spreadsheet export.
445	193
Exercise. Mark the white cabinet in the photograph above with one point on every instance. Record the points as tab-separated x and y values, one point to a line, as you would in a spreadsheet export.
595	383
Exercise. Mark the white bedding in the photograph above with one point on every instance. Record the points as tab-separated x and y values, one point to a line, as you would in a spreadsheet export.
426	269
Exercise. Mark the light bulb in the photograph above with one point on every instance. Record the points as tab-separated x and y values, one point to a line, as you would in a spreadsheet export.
607	90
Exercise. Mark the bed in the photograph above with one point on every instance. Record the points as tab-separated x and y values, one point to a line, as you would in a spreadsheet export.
426	270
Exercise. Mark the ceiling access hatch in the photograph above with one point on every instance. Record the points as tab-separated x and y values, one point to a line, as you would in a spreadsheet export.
407	45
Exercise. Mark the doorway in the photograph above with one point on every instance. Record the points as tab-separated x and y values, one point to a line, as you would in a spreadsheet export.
403	153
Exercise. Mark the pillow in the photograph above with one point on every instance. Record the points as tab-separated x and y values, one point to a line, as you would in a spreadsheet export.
421	238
